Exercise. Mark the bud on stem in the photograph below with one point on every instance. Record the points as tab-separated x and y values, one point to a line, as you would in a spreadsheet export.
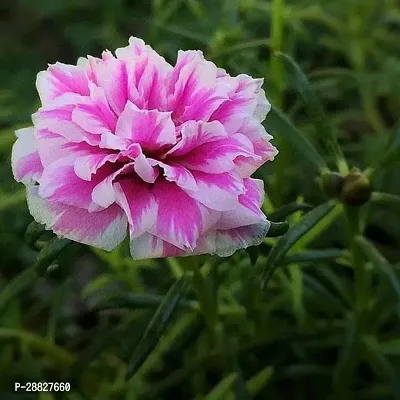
332	183
356	189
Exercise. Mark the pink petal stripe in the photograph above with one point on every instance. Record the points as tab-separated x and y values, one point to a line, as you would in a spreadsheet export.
98	97
136	199
243	100
248	211
52	147
151	129
57	118
219	192
59	79
262	147
194	134
147	75
172	224
216	157
180	175
25	160
87	165
111	74
60	184
103	193
191	81
90	118
105	229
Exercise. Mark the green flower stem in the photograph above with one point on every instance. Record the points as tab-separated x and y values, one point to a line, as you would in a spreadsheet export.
207	298
361	277
175	267
276	42
345	369
369	172
208	306
347	364
318	229
277	80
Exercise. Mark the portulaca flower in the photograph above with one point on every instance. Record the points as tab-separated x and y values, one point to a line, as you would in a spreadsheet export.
131	143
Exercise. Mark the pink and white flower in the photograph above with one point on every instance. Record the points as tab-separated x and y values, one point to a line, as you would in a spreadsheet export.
130	143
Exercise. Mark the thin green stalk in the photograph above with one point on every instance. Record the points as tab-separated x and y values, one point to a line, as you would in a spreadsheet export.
277	82
361	277
208	301
276	43
347	363
175	267
205	298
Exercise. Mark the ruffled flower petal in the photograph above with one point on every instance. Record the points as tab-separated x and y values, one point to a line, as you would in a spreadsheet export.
172	224
59	79
219	192
151	129
230	240
25	161
139	204
147	75
248	211
104	229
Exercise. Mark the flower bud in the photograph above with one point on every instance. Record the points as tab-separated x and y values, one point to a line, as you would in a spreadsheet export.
332	183
356	189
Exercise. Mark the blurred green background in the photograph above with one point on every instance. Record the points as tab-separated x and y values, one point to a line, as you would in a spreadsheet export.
294	341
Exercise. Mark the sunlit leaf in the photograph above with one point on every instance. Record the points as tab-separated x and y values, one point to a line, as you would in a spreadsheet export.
257	382
157	325
287	210
222	389
312	256
292	236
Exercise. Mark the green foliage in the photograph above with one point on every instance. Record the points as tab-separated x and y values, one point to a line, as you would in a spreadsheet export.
327	324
